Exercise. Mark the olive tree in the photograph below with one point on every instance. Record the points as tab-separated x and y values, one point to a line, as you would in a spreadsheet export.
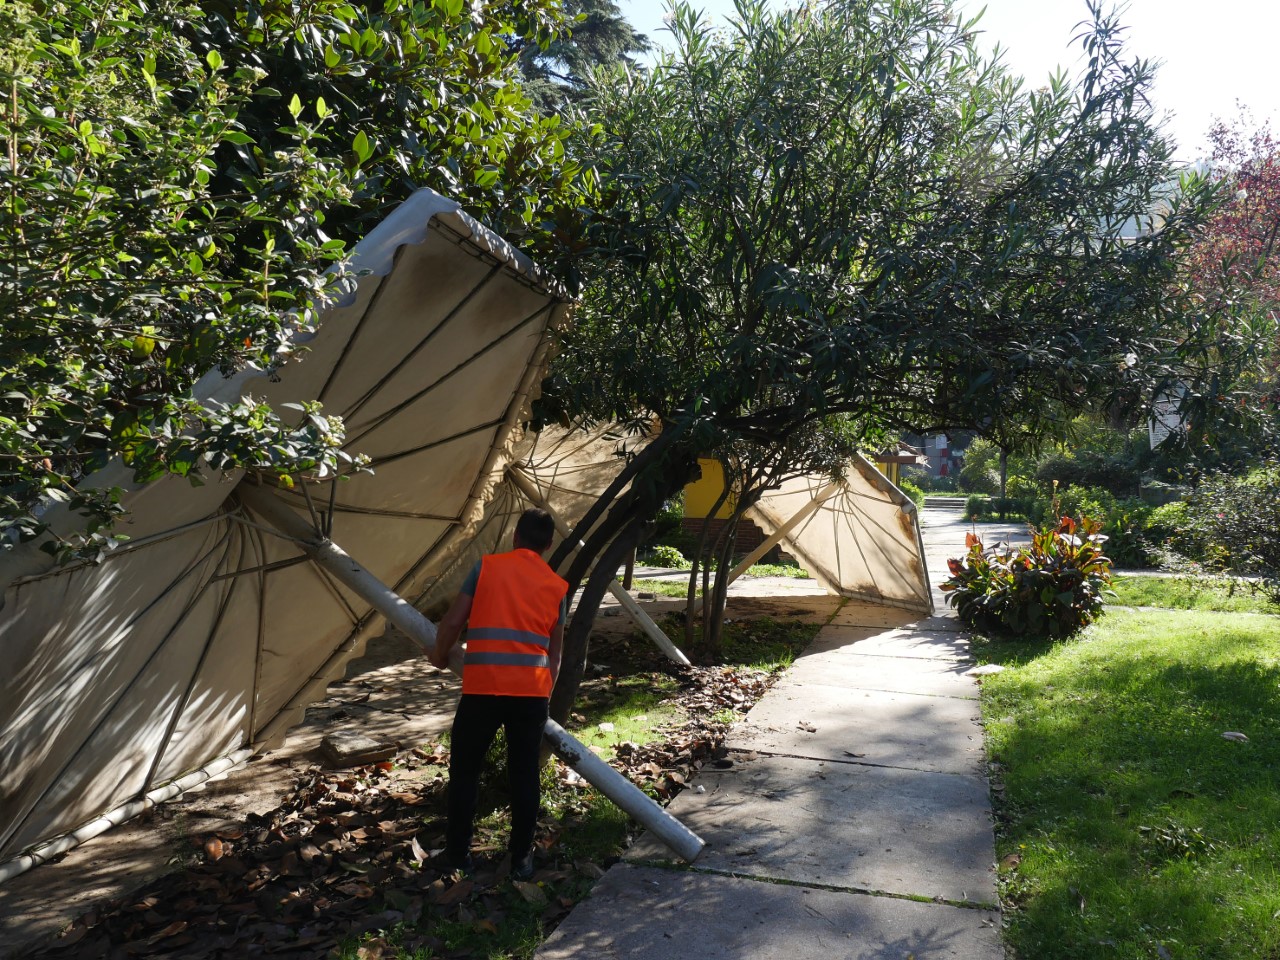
849	210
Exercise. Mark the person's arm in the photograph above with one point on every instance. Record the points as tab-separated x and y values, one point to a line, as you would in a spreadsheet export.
450	629
455	621
557	644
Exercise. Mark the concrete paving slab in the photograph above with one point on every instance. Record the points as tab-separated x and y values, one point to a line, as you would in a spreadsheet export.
945	619
904	642
842	825
848	668
648	914
940	734
835	638
857	613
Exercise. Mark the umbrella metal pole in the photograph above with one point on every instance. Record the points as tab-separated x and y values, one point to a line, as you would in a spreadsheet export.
679	838
113	818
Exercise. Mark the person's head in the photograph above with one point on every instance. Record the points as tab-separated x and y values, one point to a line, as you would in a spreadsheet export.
534	530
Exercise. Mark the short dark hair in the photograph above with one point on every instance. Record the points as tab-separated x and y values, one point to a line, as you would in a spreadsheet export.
536	529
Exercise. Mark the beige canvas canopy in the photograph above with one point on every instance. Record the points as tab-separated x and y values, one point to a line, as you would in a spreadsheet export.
858	536
207	635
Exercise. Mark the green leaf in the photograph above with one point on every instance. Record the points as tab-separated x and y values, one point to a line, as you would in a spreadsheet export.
214	59
322	108
295	106
363	149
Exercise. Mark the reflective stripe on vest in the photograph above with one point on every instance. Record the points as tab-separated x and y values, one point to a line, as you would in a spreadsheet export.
513	613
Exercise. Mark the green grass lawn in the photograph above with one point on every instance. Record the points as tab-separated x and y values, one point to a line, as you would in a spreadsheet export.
1191	593
1127	825
672	587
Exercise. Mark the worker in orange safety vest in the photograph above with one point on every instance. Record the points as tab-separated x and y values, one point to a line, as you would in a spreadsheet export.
512	608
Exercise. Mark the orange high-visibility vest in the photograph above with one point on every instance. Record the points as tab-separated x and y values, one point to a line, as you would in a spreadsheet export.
515	608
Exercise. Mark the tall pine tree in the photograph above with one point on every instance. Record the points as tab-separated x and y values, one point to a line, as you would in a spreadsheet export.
598	34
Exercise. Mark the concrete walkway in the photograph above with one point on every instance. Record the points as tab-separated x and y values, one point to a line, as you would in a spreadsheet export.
854	821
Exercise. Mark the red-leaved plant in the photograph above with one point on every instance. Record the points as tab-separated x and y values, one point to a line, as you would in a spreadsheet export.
1050	588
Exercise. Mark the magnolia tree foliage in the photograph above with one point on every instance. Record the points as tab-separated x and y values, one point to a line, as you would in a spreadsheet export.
176	179
849	210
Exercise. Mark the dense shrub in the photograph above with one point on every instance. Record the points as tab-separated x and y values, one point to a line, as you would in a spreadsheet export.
1098	456
976	507
1170	527
663	555
1238	520
928	482
912	491
1050	588
1123	521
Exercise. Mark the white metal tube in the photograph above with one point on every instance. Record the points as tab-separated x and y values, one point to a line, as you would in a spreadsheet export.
646	623
680	839
126	811
624	598
592	769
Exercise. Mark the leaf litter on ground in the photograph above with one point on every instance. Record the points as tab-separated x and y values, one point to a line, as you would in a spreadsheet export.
352	854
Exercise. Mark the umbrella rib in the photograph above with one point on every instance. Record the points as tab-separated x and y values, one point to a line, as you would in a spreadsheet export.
258	539
400	514
327	578
470	295
322	396
261	568
192	568
902	578
102	719
365	429
124	549
401	454
195	674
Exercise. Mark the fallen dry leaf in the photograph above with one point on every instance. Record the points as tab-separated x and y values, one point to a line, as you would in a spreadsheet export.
531	892
171	930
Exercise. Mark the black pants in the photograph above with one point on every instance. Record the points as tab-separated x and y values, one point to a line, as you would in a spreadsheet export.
474	727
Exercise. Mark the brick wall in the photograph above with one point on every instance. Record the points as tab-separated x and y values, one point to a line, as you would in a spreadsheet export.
749	536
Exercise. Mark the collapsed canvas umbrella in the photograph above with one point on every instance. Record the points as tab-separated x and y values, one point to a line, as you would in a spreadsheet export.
204	638
858	536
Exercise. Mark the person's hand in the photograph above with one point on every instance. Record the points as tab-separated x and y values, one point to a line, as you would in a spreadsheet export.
438	660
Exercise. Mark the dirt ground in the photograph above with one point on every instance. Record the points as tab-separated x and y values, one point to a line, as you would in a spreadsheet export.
390	694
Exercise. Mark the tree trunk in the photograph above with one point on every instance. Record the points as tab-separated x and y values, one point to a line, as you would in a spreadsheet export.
574	656
713	608
630	570
701	564
640	462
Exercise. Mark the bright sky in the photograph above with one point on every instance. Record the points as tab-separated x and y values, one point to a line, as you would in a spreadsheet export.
1214	53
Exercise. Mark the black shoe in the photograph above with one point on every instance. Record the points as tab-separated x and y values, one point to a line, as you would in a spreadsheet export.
522	867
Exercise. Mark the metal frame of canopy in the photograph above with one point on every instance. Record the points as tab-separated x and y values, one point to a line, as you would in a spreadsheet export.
562	471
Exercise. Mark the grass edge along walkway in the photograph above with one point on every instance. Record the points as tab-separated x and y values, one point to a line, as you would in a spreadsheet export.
1127	825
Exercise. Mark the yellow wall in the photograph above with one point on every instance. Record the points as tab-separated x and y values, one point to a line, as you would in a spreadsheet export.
702	494
890	470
